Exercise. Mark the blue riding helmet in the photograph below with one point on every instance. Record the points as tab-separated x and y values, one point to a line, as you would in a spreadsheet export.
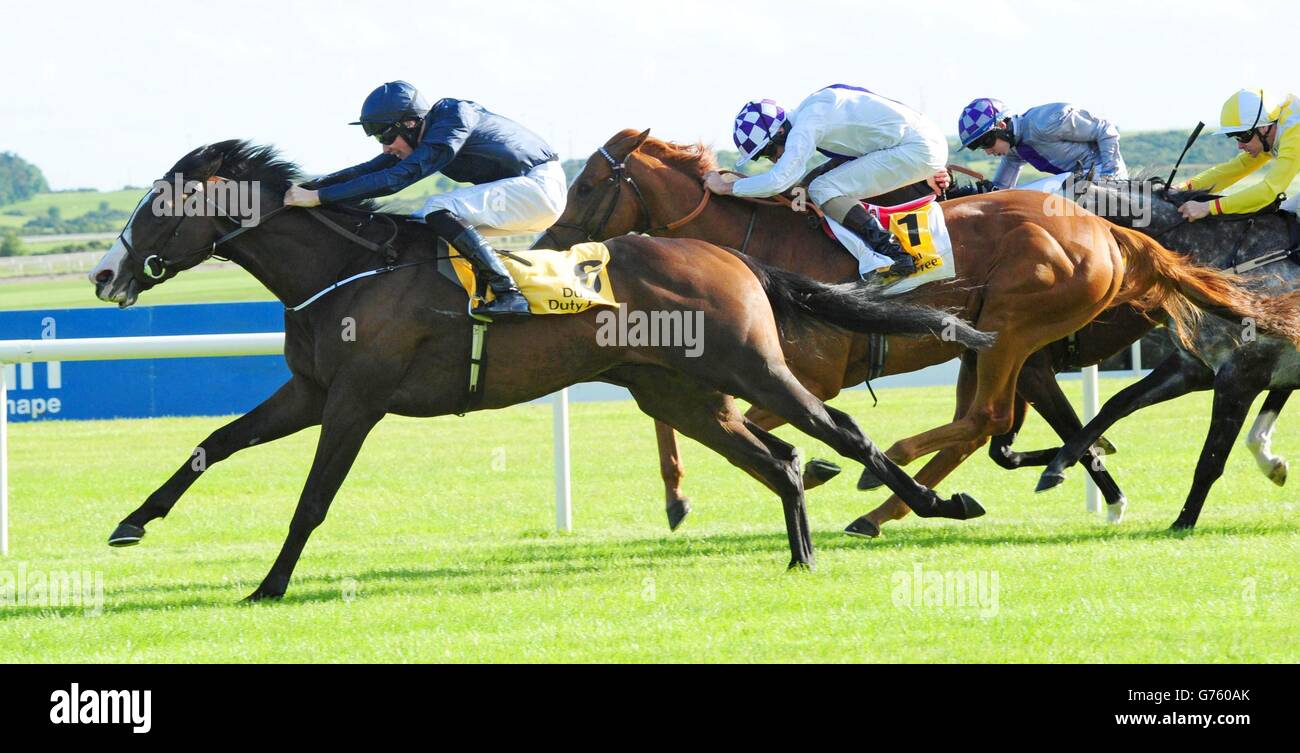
391	103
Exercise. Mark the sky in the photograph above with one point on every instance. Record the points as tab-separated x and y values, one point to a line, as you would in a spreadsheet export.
106	94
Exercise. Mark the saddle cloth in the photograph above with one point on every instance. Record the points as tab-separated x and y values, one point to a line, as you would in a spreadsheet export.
554	282
921	231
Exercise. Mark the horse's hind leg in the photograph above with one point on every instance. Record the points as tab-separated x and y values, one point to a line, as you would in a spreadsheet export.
1234	391
1260	438
776	389
936	470
712	419
293	407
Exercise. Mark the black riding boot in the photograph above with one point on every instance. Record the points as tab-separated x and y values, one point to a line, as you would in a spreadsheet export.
471	244
865	224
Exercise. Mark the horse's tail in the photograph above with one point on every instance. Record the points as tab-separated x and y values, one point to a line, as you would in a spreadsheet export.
859	307
1157	278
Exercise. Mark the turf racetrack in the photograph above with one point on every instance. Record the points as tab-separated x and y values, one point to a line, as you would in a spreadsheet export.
436	550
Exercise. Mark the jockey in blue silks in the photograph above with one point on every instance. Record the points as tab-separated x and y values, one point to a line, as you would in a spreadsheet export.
1054	139
517	186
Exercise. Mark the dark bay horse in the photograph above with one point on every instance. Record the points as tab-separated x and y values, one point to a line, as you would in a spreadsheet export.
1037	277
409	346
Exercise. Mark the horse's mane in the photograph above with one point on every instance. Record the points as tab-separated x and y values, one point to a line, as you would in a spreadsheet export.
242	160
695	159
1155	176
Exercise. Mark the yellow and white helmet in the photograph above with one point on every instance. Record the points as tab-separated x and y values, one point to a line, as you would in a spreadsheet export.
1246	110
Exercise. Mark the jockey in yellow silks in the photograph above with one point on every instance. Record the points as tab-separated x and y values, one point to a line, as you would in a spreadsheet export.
1267	133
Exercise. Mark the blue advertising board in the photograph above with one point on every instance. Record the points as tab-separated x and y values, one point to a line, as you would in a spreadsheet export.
142	388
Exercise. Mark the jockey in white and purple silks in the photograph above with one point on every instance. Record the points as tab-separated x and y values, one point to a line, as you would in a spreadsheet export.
1054	139
862	144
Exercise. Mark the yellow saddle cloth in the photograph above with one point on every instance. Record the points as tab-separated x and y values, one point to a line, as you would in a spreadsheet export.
554	282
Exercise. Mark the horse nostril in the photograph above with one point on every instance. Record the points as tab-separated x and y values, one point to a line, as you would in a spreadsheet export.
105	275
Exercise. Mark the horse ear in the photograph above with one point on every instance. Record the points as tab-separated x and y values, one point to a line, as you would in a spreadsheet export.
208	161
630	144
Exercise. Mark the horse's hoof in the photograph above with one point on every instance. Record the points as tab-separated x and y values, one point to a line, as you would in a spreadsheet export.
126	534
1278	474
677	511
801	565
263	595
863	528
868	481
1049	480
818	472
1104	446
1115	511
1181	526
967	507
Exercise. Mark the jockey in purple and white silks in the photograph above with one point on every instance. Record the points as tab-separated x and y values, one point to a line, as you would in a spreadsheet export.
867	145
1055	138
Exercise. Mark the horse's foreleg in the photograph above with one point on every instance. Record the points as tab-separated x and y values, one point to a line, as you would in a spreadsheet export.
293	407
1044	392
1260	438
1174	377
672	470
344	428
1233	394
711	418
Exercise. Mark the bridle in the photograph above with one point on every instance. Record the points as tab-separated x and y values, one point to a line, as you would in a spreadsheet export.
155	264
619	176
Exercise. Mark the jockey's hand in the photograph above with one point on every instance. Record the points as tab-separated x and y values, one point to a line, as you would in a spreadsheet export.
719	183
940	181
297	196
1194	210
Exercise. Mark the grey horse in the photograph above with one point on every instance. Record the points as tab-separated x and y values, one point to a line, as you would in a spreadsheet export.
1226	355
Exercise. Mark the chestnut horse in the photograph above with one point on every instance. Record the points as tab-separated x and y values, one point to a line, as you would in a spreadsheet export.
1027	267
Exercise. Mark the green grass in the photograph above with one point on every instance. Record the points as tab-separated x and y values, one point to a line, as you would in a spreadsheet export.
202	285
444	533
73	203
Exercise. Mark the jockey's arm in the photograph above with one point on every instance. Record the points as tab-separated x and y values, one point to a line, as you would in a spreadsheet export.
1223	175
1008	171
1276	181
380	162
800	146
1080	125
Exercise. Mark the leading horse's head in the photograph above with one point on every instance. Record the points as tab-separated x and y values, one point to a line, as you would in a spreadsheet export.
178	221
631	184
